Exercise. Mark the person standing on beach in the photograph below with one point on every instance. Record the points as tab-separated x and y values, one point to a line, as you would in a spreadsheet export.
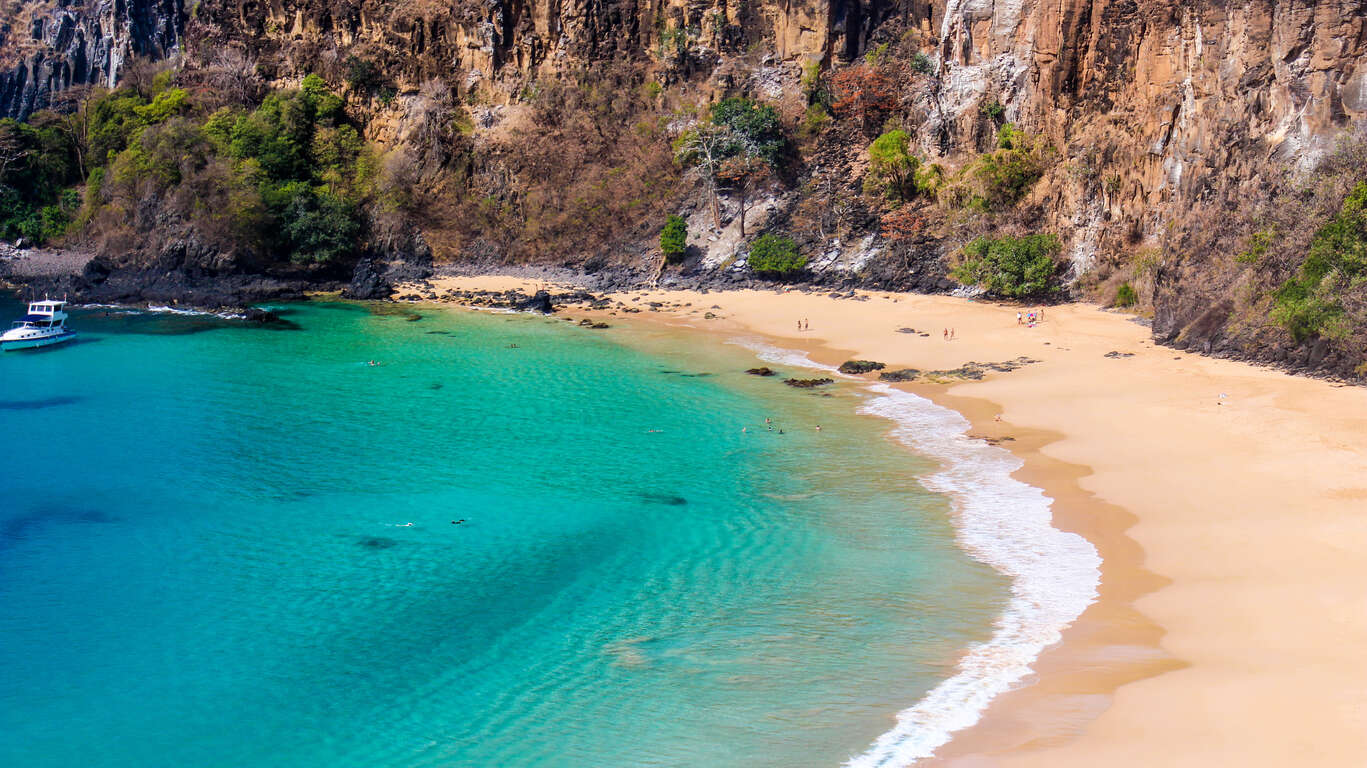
946	334
951	334
1018	319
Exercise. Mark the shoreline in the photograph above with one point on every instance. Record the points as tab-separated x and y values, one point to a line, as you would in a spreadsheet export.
1137	678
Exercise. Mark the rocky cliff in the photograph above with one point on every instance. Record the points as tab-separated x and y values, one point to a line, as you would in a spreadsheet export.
1156	115
50	46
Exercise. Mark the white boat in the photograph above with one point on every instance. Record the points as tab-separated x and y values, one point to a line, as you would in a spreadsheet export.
44	324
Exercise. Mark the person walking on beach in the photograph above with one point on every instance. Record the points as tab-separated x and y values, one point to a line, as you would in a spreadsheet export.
951	334
946	334
1018	319
799	326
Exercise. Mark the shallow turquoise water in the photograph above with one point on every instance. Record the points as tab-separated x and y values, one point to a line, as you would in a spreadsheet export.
206	556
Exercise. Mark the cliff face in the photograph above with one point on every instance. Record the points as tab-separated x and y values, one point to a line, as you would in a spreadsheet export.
47	47
1157	113
1155	104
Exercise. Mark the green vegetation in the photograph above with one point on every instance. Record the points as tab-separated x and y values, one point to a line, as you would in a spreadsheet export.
922	65
775	256
992	110
997	180
1013	267
736	150
814	121
1126	296
895	173
363	75
37	162
1009	172
674	239
285	180
1310	304
755	128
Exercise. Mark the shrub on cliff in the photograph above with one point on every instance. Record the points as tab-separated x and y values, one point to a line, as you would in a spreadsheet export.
775	256
1311	303
1126	296
674	239
895	173
999	179
1014	267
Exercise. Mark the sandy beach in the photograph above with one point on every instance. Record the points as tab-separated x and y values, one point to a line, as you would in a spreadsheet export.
1226	500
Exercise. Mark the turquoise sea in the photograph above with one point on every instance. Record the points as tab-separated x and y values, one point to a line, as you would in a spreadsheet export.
232	546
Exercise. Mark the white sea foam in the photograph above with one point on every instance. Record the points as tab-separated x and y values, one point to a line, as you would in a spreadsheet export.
1001	522
162	309
1006	524
779	356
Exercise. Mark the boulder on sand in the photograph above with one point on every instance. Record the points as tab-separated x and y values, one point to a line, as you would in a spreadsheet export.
860	366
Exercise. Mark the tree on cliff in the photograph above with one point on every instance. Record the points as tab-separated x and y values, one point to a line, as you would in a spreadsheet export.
706	148
735	150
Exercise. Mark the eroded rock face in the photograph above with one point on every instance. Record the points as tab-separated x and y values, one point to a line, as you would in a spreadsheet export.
50	46
1152	103
1153	107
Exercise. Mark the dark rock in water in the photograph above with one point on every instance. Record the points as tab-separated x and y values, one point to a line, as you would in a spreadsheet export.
664	498
906	374
368	283
808	383
762	371
860	366
261	316
377	542
541	302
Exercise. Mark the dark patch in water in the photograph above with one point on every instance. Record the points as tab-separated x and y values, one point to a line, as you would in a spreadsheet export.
666	499
393	310
437	385
438	333
20	528
695	375
377	542
294	495
33	405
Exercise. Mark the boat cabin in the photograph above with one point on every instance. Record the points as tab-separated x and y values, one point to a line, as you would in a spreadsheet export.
43	314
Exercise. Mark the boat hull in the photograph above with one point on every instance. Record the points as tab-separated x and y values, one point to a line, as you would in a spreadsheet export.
40	341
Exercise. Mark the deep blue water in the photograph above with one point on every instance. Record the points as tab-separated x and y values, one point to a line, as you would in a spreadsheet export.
206	556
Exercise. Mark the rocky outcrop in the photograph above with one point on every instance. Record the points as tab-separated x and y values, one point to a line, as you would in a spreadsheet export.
52	46
1151	104
854	367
